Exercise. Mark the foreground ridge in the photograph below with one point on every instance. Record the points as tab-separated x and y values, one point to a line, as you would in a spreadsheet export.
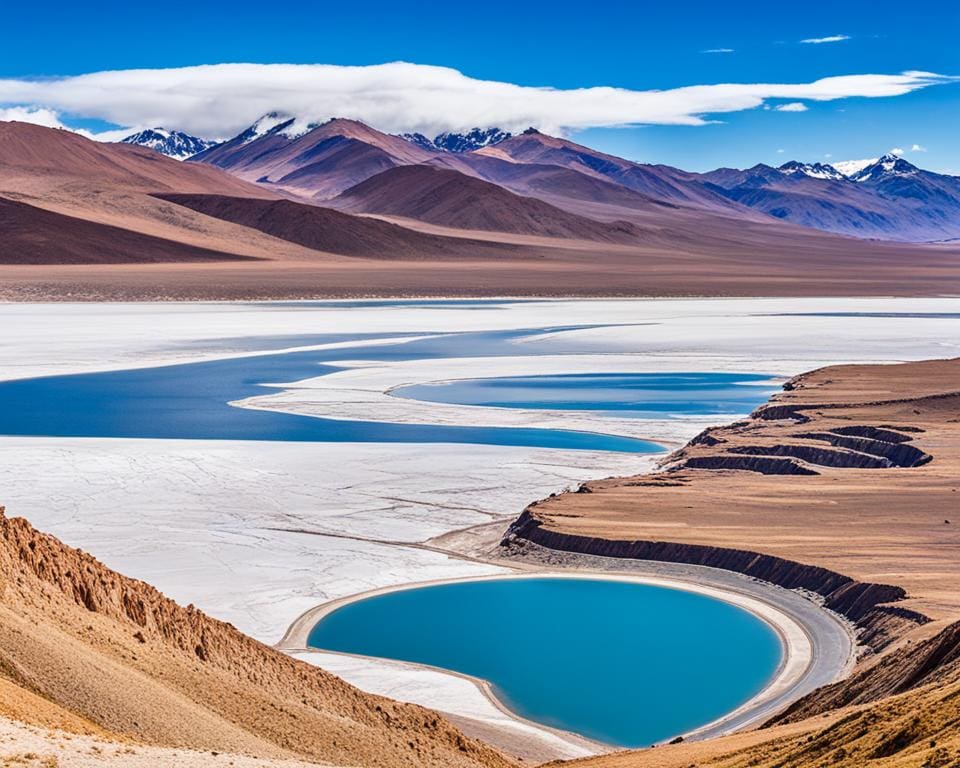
111	656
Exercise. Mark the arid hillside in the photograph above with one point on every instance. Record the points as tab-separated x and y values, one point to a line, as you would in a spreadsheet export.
852	469
845	485
452	199
330	231
86	650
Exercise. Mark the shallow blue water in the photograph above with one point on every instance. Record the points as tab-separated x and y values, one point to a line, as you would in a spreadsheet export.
190	401
626	664
638	394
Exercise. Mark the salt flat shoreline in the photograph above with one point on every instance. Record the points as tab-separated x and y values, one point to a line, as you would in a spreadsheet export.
819	651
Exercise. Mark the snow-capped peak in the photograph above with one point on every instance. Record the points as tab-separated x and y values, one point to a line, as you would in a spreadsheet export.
890	164
813	170
297	128
419	139
476	138
266	124
175	144
277	124
850	168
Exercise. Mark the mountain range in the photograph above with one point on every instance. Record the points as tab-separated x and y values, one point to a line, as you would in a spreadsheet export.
886	199
889	198
293	209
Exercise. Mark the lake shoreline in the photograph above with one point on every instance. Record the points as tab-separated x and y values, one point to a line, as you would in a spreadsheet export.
798	654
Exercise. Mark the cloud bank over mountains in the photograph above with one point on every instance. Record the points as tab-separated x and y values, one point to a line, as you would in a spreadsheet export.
220	100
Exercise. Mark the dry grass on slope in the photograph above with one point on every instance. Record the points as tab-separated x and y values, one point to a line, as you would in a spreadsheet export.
115	653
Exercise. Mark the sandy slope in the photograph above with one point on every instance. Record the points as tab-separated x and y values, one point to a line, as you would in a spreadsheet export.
115	653
26	746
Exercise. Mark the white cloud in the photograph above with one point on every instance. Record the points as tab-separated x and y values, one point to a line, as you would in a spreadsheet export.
793	106
898	151
781	151
918	148
35	115
822	40
718	50
220	100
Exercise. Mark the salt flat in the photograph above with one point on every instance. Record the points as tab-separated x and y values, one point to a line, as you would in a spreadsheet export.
257	533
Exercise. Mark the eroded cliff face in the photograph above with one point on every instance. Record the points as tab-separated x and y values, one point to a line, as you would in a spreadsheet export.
114	653
846	485
868	606
848	474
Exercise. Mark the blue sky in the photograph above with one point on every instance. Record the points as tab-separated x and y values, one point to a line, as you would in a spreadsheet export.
638	46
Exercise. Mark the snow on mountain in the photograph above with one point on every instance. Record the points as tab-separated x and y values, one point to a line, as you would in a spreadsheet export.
419	139
278	124
813	170
852	167
175	144
888	165
476	138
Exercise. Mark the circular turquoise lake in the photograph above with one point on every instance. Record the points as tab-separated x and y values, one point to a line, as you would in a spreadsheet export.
624	663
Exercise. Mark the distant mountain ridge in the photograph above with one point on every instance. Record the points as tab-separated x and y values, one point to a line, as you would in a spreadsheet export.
175	144
888	198
76	207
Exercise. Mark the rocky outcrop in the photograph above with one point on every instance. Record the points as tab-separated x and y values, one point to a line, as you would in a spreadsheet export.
765	465
895	451
868	606
854	447
815	455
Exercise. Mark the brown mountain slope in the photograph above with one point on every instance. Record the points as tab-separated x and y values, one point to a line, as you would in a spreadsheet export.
683	250
116	653
452	199
35	236
111	184
331	231
59	156
320	163
551	182
660	182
